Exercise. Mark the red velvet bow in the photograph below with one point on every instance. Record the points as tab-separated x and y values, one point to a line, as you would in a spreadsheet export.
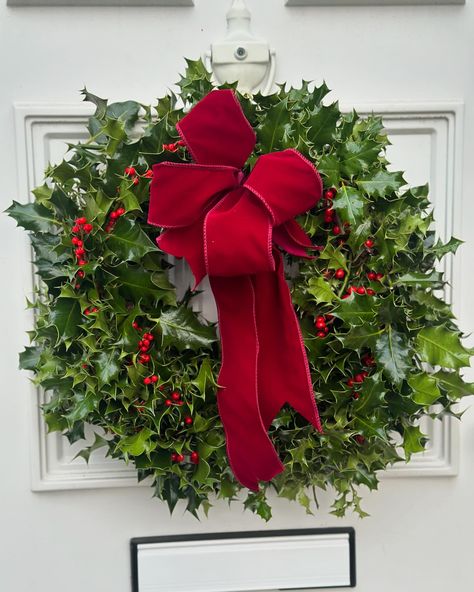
228	226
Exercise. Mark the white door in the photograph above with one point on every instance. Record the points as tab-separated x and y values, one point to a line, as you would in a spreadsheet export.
411	63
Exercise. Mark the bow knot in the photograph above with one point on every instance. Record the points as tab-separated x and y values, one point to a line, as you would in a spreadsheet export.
228	226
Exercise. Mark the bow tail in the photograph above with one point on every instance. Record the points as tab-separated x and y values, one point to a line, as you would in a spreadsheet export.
283	371
250	451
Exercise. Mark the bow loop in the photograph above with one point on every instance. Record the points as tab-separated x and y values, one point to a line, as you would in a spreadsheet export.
180	194
216	130
286	183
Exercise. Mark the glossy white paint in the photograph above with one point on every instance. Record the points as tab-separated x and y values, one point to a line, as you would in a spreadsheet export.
419	532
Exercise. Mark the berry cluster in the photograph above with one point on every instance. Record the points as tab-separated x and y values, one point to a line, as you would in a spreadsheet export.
374	277
361	290
173	147
144	344
91	310
81	227
174	399
153	379
132	173
321	324
113	217
179	458
359	378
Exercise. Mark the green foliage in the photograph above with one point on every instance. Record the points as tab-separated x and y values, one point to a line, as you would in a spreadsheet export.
85	349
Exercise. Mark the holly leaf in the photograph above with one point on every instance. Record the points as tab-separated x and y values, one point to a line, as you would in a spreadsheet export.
272	130
439	346
66	317
329	167
107	366
137	282
393	355
33	216
30	358
182	329
359	337
415	278
381	183
205	378
129	242
334	256
100	104
349	203
320	289
322	124
137	444
413	440
357	310
454	384
357	157
371	395
425	389
441	249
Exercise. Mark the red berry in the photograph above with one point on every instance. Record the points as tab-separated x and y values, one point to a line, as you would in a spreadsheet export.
320	324
80	273
350	382
81	221
130	171
81	262
87	312
144	358
370	292
168	402
135	325
329	316
75	240
154	378
179	458
180	143
369	243
380	276
340	274
188	420
120	211
143	348
364	373
114	215
194	457
356	395
320	318
336	230
79	252
148	174
146	342
88	228
174	456
360	290
136	180
147	380
175	396
359	378
95	309
321	334
330	193
359	439
371	276
344	296
76	229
